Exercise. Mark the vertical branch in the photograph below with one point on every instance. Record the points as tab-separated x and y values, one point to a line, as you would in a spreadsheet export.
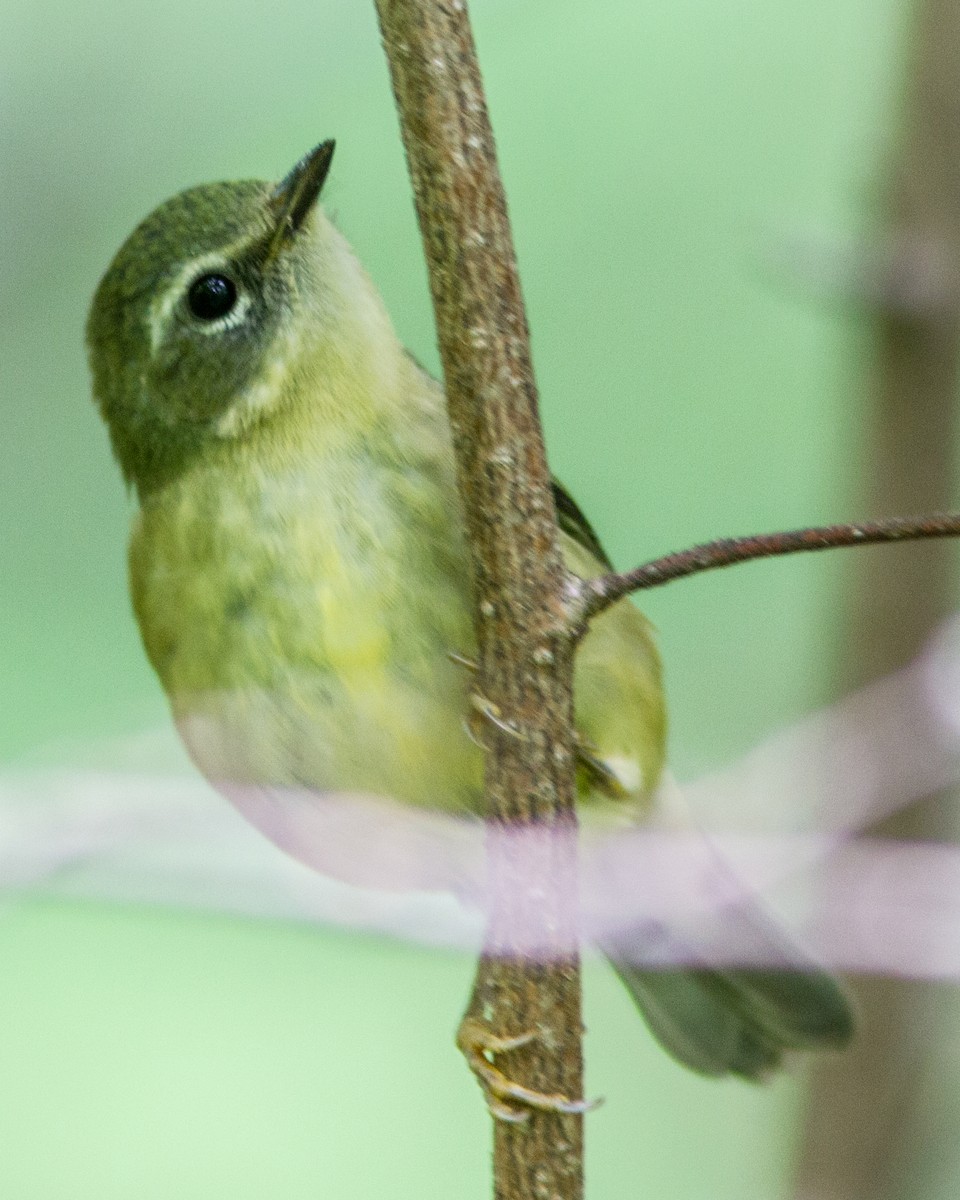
862	1113
525	645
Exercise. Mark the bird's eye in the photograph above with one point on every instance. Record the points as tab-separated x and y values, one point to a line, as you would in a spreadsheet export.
212	296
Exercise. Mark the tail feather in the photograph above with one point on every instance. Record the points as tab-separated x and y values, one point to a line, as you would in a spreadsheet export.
685	1017
803	1008
721	1020
738	1022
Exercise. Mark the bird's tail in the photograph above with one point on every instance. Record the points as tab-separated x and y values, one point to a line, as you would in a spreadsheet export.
721	1020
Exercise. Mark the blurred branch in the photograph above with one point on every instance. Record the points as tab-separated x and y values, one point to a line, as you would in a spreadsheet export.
788	813
865	1135
525	675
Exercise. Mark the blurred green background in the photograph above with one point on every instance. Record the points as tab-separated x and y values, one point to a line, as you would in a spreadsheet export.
658	159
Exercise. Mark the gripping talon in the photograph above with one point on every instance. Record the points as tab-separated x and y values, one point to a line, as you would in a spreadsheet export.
597	771
501	1111
468	730
480	704
506	1099
489	711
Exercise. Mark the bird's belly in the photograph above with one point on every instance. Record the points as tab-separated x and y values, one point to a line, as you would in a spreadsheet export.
309	670
372	733
305	646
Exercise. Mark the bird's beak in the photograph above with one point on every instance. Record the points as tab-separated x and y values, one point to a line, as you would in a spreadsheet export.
296	194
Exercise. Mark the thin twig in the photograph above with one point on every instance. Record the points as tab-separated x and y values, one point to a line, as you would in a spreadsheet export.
598	594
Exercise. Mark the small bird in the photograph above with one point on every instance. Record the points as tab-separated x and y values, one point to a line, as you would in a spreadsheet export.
300	577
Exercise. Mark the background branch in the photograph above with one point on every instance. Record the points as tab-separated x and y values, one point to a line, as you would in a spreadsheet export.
874	1116
525	650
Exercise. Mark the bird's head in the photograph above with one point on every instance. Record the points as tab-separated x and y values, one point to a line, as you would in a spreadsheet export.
205	318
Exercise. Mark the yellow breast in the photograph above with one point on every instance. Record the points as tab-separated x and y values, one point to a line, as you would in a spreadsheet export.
302	630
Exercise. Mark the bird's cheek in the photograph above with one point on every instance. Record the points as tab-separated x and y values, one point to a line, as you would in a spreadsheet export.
188	395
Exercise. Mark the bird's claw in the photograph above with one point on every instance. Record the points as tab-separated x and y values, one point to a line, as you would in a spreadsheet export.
599	774
490	712
506	1099
461	660
483	707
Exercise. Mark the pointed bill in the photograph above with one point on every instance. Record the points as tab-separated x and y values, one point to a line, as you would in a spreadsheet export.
295	195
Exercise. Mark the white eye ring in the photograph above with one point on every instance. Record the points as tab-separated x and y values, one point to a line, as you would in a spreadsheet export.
166	303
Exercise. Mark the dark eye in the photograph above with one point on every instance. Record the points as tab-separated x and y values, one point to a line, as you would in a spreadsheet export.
212	296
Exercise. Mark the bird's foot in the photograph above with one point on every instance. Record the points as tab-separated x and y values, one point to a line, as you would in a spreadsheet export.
507	1100
489	711
482	709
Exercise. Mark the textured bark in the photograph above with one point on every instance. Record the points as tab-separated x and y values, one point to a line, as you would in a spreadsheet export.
524	636
862	1121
